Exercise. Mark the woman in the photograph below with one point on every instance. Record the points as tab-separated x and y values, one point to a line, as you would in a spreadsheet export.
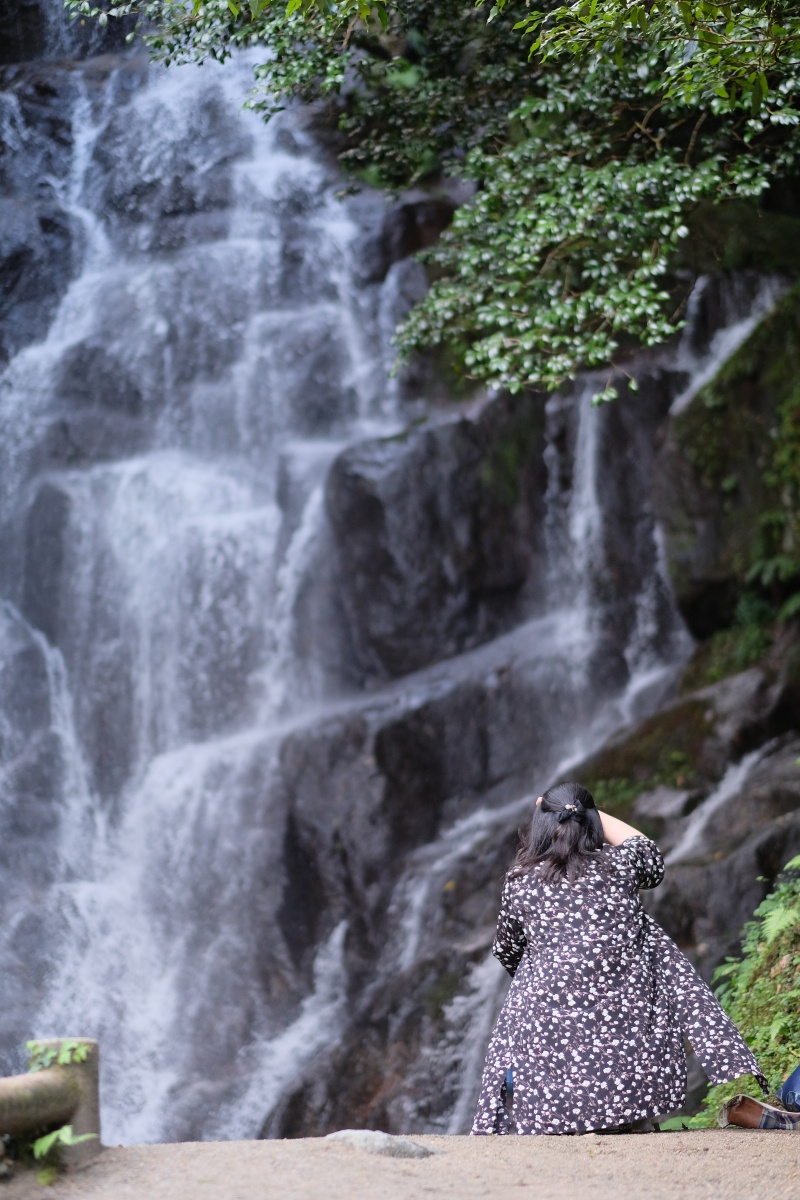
594	1023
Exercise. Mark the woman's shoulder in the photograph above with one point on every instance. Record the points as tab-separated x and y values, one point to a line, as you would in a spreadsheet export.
521	883
640	857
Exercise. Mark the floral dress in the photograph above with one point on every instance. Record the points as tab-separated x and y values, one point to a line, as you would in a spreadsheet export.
600	1002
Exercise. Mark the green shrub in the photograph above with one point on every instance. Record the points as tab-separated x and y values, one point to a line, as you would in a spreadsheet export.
761	992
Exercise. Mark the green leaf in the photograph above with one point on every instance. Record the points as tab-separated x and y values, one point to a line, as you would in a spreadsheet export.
778	921
64	1136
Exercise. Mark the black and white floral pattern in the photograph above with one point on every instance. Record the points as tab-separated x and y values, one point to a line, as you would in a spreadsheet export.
600	1002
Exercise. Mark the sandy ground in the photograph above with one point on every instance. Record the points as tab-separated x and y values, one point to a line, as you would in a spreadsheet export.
713	1163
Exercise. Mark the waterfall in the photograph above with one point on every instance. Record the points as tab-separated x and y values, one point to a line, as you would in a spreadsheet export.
203	370
223	837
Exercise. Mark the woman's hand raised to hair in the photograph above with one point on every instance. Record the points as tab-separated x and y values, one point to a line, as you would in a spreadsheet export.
615	831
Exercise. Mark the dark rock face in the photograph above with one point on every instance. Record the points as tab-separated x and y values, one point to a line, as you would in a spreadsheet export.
711	483
23	30
618	567
439	533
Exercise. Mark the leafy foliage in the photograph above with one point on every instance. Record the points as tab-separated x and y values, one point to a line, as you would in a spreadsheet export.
761	991
69	1050
710	51
591	132
49	1144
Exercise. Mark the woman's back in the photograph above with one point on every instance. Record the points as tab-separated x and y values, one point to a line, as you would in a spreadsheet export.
600	1001
582	939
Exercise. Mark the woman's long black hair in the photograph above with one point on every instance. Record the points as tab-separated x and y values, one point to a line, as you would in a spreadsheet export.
564	833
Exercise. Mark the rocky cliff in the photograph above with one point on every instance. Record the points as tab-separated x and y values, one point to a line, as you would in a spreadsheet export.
288	647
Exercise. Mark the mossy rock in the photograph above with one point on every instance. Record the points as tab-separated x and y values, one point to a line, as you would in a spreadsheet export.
671	748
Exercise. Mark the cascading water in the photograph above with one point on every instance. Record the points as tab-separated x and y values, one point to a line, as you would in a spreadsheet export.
233	365
223	841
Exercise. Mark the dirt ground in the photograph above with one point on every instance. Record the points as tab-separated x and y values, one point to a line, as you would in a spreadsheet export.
713	1163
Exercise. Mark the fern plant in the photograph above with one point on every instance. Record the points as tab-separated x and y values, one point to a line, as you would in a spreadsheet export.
761	992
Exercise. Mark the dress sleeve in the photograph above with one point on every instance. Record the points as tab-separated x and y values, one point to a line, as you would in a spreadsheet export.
509	940
645	858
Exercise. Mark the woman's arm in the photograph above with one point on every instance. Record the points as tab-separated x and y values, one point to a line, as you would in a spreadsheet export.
509	941
615	831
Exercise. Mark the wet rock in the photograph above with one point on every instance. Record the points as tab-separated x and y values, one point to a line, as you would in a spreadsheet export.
396	232
32	786
711	480
616	568
48	603
40	246
703	904
46	527
98	410
36	265
664	804
438	531
154	208
684	749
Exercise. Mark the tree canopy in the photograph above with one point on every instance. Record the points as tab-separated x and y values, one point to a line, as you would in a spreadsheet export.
594	133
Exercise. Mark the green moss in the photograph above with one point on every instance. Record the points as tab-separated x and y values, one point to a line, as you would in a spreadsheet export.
511	451
667	750
761	991
732	650
670	749
725	653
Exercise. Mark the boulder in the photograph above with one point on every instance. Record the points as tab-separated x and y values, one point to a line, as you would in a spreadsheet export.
439	531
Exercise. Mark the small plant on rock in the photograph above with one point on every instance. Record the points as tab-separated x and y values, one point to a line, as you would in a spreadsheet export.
761	991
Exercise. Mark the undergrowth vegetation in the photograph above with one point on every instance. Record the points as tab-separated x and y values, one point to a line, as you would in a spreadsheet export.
761	992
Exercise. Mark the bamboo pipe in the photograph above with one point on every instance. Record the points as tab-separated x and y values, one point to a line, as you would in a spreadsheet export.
42	1100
